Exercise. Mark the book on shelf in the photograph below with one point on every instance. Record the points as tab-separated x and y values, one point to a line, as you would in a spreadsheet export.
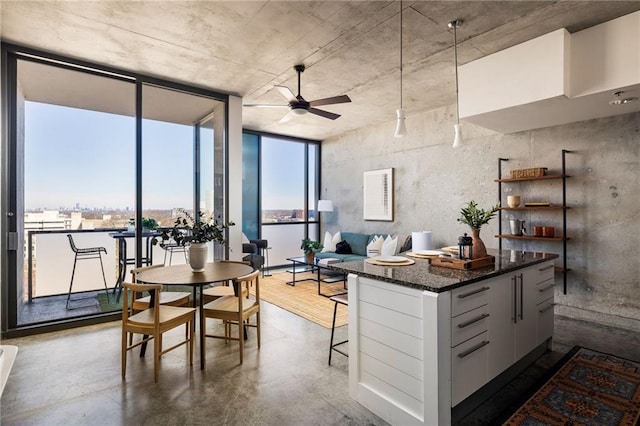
537	204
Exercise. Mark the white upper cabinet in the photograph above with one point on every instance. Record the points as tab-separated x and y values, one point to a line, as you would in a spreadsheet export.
554	79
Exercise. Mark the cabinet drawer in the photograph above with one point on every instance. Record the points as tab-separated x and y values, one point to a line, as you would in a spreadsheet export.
469	324
467	298
545	290
469	367
544	272
544	328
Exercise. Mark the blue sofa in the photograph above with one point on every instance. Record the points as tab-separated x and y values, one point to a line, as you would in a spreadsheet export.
359	243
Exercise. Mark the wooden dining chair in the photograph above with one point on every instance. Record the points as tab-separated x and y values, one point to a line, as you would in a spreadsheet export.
168	298
152	323
212	293
237	310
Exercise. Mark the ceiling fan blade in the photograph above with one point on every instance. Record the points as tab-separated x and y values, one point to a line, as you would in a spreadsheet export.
265	105
325	114
286	92
329	101
287	117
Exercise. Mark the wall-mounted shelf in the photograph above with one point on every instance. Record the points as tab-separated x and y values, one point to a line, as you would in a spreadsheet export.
536	208
531	238
551	208
545	177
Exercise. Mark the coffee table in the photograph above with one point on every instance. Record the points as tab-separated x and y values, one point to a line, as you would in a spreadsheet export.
302	261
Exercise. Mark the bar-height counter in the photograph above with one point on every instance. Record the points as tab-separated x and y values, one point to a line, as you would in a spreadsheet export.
423	338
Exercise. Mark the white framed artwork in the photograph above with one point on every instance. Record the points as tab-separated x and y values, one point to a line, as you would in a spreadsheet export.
378	195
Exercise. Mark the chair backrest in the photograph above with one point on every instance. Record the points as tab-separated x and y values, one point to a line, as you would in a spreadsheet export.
72	244
136	289
248	280
136	271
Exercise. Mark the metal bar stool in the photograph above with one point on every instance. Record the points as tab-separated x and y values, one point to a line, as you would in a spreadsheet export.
84	254
263	246
343	299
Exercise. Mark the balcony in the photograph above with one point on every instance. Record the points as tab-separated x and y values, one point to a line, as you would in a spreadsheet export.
48	266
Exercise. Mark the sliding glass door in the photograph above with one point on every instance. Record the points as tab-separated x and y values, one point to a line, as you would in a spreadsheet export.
91	152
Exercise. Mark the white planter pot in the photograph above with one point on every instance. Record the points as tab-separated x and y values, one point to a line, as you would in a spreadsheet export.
198	256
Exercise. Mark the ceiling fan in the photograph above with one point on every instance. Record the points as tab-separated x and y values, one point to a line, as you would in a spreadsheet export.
299	106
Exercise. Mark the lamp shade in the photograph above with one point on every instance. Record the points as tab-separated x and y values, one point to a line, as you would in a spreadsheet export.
457	139
401	128
325	205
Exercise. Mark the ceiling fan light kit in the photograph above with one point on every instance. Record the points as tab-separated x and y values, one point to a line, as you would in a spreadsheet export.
299	106
457	138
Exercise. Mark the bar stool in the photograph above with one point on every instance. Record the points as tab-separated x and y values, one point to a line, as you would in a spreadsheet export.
84	254
342	299
263	246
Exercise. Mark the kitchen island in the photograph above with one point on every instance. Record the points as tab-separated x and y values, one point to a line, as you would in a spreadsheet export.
425	340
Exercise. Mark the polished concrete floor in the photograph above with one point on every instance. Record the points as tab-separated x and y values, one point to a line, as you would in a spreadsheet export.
73	378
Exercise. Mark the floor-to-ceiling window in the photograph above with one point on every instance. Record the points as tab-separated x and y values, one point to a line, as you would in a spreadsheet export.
89	152
287	172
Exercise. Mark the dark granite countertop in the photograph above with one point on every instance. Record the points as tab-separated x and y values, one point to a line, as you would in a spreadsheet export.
437	279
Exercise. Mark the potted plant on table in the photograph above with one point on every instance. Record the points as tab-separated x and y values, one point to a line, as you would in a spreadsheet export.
149	224
310	248
474	217
195	233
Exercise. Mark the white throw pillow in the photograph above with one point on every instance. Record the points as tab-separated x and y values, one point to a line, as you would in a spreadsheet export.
390	246
329	244
245	240
374	248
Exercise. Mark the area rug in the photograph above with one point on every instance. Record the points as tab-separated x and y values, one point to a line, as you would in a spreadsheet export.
303	299
590	388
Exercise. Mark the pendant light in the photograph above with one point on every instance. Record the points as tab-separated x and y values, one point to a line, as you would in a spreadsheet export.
457	139
401	128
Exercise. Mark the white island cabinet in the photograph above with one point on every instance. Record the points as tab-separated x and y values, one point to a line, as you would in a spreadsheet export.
414	354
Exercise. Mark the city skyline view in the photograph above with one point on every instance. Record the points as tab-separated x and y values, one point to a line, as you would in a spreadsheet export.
85	160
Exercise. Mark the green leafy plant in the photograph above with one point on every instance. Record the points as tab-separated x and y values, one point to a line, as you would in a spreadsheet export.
187	230
474	217
310	246
149	223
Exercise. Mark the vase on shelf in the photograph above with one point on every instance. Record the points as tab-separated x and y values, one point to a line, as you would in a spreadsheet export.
479	249
198	256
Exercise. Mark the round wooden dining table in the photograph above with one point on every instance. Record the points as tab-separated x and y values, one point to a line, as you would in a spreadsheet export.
182	275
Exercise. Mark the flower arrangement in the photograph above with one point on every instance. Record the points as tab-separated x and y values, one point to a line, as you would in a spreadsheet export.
187	230
474	217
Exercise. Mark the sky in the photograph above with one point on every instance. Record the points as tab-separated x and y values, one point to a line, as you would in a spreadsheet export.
86	157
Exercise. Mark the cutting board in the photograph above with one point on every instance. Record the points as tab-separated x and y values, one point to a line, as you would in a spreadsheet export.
448	262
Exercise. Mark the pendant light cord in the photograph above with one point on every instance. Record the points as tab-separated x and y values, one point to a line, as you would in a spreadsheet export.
400	54
455	57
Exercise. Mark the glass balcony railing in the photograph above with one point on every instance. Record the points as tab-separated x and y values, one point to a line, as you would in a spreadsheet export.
48	266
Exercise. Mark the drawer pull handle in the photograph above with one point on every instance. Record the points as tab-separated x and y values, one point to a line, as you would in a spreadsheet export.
546	268
471	293
551	305
473	349
542	290
472	321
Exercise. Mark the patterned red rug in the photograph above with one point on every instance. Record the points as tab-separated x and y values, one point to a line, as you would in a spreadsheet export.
590	388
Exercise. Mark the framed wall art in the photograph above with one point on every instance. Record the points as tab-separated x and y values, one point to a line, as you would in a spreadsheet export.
378	195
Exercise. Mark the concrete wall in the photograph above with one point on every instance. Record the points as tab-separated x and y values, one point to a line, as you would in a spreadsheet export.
433	181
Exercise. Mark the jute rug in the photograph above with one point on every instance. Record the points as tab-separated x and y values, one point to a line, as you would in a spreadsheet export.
590	388
303	299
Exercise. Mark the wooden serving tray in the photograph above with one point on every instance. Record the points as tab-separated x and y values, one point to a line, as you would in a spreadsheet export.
448	262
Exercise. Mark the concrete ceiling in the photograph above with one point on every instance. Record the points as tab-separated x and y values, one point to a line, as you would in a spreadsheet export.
349	47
